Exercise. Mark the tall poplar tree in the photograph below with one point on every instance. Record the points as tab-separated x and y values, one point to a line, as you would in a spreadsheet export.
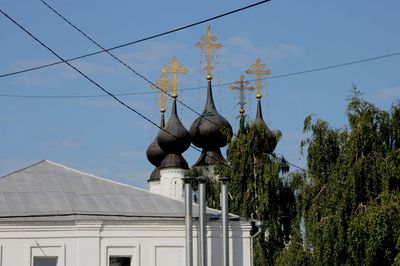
349	199
257	187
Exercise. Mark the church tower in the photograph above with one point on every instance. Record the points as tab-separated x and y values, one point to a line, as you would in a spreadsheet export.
165	152
210	131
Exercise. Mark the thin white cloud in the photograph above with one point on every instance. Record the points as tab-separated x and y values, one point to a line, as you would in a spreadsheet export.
60	72
155	55
388	93
70	144
240	51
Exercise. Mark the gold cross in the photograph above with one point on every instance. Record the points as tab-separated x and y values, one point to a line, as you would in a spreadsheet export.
163	84
258	69
242	82
174	68
208	45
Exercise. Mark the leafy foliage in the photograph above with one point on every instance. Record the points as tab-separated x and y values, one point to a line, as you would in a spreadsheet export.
257	189
350	198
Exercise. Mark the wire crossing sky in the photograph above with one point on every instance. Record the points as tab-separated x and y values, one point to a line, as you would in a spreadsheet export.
95	83
218	85
82	129
104	50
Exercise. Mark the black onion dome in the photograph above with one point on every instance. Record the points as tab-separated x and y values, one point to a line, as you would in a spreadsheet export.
259	117
174	140
268	140
210	130
154	153
155	175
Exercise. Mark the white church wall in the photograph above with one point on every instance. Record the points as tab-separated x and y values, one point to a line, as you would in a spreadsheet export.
148	243
171	184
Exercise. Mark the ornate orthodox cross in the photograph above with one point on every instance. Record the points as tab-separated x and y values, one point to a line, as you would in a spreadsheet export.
241	87
164	85
208	45
174	68
259	69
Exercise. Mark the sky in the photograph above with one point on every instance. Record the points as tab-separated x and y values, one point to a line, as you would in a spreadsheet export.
99	136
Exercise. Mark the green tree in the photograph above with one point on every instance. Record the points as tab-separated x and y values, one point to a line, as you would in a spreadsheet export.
258	189
349	199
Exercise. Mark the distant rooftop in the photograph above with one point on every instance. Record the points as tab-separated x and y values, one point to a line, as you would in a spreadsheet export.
47	190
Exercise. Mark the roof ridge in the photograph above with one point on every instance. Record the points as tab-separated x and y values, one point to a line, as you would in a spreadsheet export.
91	175
24	168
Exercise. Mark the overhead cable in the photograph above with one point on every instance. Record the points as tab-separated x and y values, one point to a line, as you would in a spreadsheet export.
359	61
97	84
137	41
123	63
112	95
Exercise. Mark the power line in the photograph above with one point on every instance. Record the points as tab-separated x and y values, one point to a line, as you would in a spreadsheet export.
137	41
359	61
138	74
97	84
125	64
109	93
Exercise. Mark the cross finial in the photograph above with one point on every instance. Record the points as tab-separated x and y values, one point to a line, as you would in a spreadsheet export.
259	69
208	45
242	82
174	68
163	84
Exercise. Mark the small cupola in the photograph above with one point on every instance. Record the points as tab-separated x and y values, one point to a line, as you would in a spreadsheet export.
174	139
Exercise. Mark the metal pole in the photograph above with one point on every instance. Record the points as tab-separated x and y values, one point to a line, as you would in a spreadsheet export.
225	221
188	221
259	225
202	218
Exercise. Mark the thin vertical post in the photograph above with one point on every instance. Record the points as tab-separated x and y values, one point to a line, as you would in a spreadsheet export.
202	218
188	220
225	220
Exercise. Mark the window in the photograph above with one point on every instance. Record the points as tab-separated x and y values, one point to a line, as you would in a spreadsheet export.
45	261
120	261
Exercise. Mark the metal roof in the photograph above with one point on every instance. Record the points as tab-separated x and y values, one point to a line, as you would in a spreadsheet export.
48	189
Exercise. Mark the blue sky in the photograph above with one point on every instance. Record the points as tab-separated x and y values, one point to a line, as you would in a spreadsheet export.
101	137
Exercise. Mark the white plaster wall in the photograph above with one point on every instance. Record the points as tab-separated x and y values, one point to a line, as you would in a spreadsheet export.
171	184
154	187
149	243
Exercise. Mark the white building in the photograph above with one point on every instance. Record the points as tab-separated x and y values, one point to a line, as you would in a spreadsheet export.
51	215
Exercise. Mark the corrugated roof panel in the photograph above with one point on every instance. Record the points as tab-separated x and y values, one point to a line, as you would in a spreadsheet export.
59	200
79	186
89	203
52	189
148	202
63	183
104	203
21	184
119	202
49	183
4	208
94	185
7	184
14	202
134	205
45	202
124	189
34	182
75	202
111	188
29	201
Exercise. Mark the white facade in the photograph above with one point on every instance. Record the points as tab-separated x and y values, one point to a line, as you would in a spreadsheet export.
91	243
170	183
52	215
